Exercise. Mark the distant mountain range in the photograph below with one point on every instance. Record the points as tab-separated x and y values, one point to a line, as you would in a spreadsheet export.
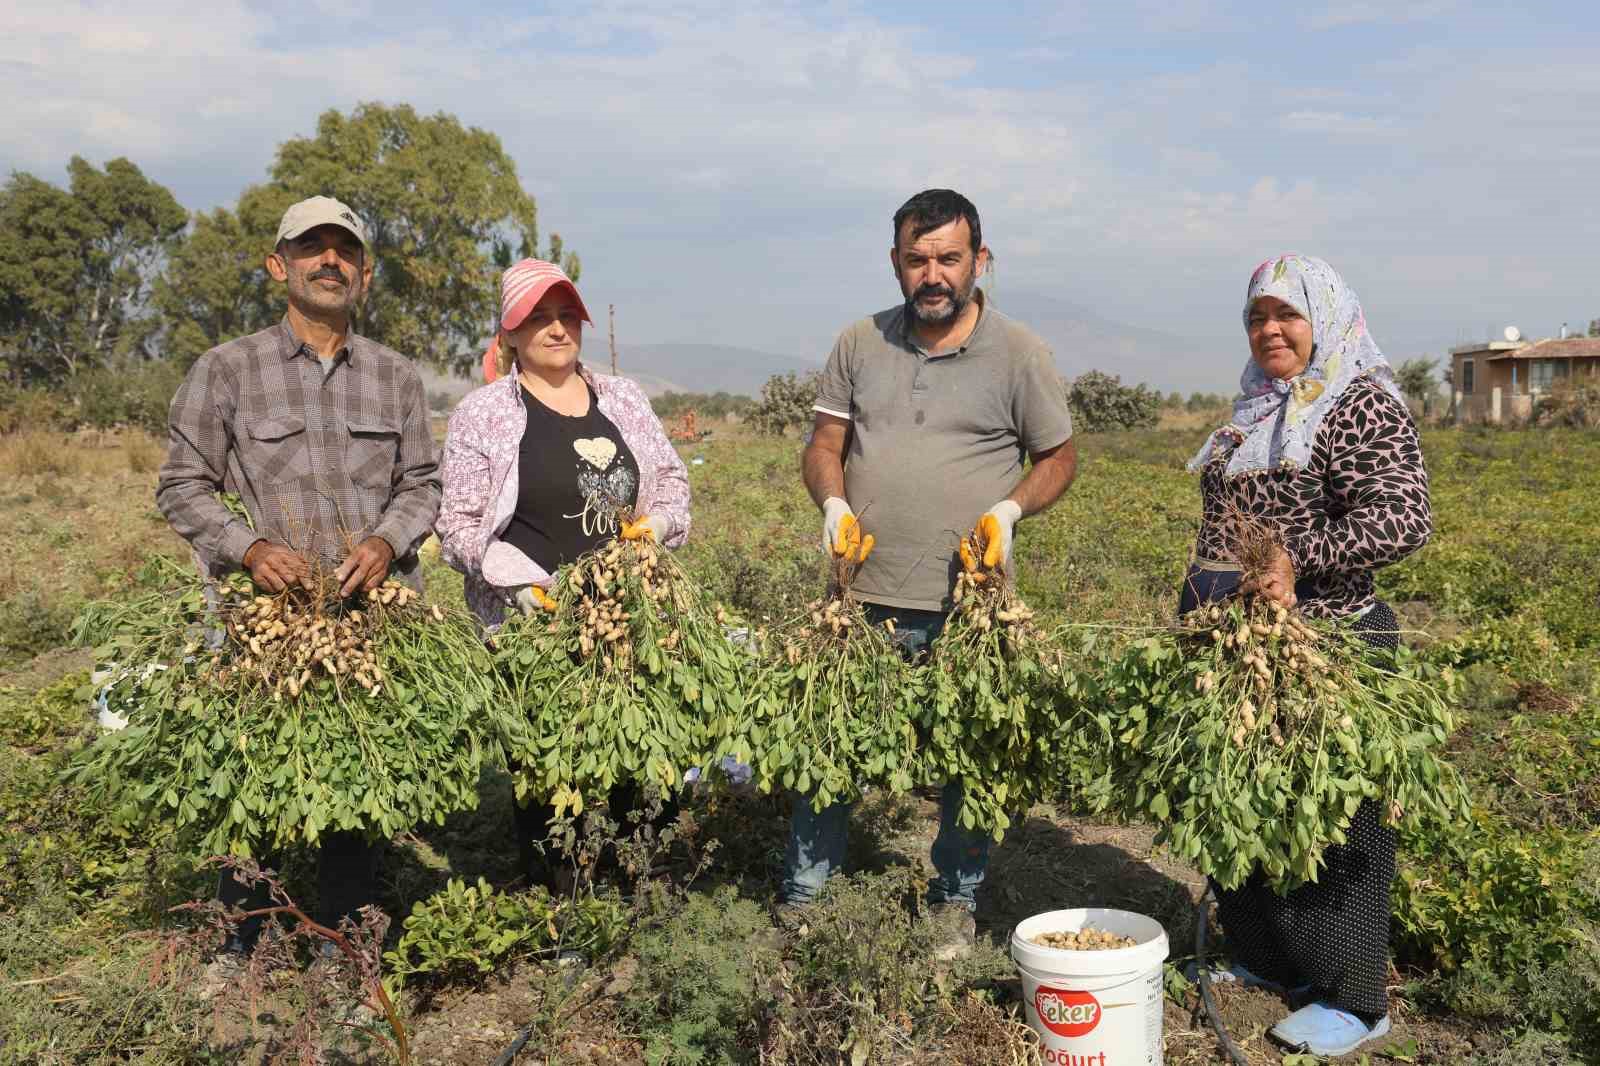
1080	339
1084	341
702	367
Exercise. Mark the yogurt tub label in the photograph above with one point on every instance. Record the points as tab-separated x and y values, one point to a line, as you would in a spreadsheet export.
1065	1012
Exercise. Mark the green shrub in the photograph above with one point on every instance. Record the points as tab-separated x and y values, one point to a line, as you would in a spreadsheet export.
1101	401
38	719
786	400
33	409
864	970
468	931
1573	402
1509	917
134	394
704	978
31	622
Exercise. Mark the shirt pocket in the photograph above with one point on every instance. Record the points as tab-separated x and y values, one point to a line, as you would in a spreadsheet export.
372	452
278	449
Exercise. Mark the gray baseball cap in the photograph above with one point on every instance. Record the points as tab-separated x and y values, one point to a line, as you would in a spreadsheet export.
321	211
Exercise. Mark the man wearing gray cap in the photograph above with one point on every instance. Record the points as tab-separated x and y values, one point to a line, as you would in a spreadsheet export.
323	435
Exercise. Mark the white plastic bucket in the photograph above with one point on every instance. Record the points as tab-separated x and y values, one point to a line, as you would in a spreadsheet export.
1093	1008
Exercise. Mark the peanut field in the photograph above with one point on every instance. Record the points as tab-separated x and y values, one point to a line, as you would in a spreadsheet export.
674	957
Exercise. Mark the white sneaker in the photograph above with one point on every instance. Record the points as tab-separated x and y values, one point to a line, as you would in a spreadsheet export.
1319	1029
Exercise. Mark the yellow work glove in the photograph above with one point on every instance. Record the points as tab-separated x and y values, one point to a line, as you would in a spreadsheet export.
838	527
995	527
532	599
645	526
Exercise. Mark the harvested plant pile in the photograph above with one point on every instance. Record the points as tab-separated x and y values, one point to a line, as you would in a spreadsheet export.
1000	714
278	717
1251	735
630	677
831	714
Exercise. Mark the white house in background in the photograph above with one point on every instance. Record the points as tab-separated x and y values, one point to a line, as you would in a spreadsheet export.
1501	381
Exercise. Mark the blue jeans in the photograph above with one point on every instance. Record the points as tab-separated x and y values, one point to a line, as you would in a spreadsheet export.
818	839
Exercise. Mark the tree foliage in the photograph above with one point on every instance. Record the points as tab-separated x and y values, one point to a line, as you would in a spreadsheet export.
76	266
703	404
1206	401
1418	379
1101	401
444	211
215	286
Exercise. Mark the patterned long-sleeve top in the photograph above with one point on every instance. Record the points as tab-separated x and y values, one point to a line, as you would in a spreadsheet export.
480	484
321	455
1360	503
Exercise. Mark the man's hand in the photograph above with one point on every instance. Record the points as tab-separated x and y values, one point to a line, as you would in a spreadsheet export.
366	567
840	531
996	526
532	599
645	526
1275	583
274	567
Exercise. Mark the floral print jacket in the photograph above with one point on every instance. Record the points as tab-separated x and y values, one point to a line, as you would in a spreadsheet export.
480	484
1360	503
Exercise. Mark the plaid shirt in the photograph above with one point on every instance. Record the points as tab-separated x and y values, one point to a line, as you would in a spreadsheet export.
320	461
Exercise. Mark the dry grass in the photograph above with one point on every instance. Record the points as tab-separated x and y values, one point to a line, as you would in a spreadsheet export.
39	453
144	453
1179	418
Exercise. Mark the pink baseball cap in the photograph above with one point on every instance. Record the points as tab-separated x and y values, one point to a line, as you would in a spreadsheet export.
522	286
525	283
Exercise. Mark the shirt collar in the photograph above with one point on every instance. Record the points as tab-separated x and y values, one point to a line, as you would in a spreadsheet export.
291	346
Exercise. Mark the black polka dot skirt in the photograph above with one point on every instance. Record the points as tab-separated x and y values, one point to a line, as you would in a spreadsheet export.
1333	935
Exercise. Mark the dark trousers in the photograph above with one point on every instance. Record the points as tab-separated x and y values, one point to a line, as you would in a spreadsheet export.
1330	936
347	873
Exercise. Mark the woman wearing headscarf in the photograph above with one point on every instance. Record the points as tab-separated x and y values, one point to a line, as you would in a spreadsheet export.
1322	448
540	462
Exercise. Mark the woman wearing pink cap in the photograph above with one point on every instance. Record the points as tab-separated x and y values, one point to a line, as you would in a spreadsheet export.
539	462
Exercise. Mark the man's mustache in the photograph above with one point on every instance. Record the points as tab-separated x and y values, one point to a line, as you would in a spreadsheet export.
330	273
934	290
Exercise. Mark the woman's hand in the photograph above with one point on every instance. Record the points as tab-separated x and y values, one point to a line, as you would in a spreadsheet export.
1275	583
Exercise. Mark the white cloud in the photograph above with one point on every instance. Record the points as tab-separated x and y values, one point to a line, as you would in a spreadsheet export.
1339	124
1339	15
756	151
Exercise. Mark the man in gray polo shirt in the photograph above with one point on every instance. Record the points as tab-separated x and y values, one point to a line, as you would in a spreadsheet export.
924	419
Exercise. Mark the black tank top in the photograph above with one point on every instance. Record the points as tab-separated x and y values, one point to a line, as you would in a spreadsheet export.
573	475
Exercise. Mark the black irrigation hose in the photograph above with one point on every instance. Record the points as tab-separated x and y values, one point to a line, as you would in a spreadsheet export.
505	1057
1235	1052
516	1045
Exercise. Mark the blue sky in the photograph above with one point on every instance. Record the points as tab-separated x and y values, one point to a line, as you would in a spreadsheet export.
727	170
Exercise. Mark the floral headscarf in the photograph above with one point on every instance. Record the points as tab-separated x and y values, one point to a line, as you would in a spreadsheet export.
1275	422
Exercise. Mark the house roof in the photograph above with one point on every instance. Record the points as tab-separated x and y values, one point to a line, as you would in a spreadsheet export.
1555	348
1481	347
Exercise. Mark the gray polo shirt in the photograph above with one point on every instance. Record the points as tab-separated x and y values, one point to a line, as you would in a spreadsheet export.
936	440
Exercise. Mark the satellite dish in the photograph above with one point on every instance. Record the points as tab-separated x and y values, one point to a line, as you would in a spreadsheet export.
1513	333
